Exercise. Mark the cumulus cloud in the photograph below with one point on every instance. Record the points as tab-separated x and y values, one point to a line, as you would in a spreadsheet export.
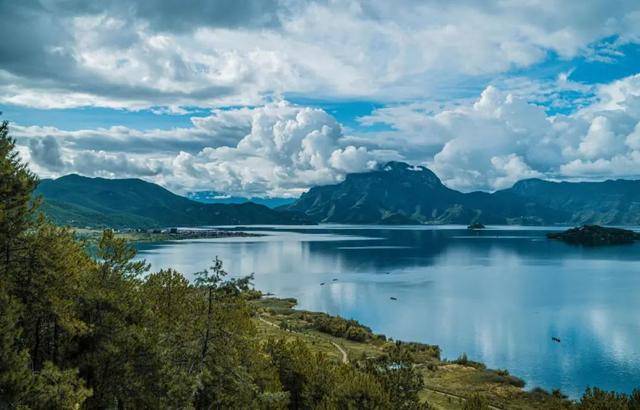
46	152
499	138
511	169
600	139
284	150
288	149
137	54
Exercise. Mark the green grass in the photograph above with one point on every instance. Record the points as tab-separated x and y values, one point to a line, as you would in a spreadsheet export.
463	377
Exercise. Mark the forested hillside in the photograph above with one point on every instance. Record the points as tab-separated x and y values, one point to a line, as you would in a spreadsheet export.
133	203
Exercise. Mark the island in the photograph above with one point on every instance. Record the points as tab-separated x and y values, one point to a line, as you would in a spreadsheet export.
595	235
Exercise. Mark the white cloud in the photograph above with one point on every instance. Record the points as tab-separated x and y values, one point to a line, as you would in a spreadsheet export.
600	139
633	139
282	149
499	138
168	54
285	149
511	169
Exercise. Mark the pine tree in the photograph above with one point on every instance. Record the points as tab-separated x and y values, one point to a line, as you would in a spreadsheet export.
116	356
39	282
15	375
16	207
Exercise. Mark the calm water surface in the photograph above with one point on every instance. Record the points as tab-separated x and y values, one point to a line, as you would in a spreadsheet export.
498	294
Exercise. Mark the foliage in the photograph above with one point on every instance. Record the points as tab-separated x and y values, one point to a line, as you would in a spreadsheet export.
313	381
474	402
464	361
597	399
418	352
339	327
398	377
501	377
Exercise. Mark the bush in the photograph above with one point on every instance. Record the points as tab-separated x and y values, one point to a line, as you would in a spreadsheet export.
463	360
501	377
420	352
597	399
252	294
339	327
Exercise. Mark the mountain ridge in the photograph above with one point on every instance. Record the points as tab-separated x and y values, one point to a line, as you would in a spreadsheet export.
393	193
397	192
84	201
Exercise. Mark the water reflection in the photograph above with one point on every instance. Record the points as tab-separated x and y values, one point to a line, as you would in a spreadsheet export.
498	295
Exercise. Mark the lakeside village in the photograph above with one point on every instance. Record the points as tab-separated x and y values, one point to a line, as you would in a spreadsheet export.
174	233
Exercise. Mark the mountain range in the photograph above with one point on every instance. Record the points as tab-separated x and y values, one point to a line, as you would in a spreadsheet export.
399	193
395	193
134	203
214	197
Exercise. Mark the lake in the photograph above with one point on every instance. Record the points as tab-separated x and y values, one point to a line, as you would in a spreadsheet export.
498	294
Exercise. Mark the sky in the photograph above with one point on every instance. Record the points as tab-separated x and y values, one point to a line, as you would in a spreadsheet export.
271	97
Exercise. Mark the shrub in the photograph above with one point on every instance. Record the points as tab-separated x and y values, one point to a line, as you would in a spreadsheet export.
501	377
464	361
339	327
597	399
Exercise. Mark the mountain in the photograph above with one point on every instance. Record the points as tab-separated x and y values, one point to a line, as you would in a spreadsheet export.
82	201
213	197
398	193
612	202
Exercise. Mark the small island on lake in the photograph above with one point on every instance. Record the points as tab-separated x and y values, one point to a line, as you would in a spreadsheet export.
595	235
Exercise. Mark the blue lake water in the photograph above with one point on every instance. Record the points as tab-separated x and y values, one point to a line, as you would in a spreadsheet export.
498	294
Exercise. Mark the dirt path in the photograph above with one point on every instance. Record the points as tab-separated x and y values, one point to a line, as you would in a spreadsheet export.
260	318
345	360
345	356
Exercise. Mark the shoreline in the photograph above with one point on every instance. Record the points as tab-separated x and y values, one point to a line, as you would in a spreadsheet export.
163	235
448	383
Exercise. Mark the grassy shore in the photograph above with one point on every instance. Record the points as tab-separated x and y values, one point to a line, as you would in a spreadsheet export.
448	384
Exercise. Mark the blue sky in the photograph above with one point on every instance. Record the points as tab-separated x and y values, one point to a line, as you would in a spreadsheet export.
271	97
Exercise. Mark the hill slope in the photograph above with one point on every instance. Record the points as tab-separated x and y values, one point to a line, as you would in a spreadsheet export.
400	193
83	201
612	202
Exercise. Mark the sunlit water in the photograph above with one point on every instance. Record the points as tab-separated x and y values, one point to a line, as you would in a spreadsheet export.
498	294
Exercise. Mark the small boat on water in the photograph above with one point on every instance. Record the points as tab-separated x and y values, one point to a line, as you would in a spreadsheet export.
555	339
392	298
322	284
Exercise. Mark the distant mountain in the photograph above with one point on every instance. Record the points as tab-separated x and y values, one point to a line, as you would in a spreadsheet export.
213	197
398	193
612	202
82	201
